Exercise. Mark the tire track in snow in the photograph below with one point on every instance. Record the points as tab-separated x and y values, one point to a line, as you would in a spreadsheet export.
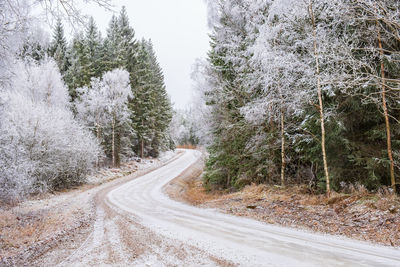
242	241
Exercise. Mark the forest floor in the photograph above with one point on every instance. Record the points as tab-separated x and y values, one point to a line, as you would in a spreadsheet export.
33	227
359	215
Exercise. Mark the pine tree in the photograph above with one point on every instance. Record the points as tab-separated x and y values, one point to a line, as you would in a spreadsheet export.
111	58
58	47
162	105
91	49
74	76
142	106
127	44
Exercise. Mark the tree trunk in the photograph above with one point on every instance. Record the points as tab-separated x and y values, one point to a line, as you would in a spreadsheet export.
321	107
283	149
385	111
98	135
142	148
117	146
142	144
113	143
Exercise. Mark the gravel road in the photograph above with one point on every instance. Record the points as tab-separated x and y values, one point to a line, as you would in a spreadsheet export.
138	225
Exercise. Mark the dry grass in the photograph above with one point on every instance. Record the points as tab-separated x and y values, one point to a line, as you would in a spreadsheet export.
196	194
39	219
187	146
19	229
357	214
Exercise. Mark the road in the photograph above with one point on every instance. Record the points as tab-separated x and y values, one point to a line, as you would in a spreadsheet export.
138	225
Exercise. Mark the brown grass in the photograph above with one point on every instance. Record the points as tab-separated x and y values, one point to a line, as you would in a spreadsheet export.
196	193
187	146
357	214
25	228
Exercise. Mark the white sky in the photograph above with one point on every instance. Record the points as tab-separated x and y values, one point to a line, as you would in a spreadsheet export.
178	29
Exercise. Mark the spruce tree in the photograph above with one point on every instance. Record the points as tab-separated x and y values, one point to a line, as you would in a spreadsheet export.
111	43
142	105
127	43
58	47
74	76
92	49
162	104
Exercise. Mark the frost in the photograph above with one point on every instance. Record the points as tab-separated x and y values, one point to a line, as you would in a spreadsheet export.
42	146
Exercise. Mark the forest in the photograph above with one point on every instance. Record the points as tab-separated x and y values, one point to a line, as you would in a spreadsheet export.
68	107
302	92
291	92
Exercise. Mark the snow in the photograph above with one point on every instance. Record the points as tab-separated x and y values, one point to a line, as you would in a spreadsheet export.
243	241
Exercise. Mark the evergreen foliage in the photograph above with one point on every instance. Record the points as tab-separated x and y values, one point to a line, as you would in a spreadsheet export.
64	106
150	109
267	60
58	47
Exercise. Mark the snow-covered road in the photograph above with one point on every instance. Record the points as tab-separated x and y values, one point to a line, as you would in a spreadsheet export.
237	240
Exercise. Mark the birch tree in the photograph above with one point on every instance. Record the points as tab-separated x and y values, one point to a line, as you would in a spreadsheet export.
379	65
117	90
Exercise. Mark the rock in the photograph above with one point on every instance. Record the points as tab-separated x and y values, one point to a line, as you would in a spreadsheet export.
251	207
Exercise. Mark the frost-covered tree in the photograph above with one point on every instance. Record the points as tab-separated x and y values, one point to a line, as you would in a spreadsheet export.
91	107
277	70
58	47
183	128
117	91
374	59
150	106
47	147
92	51
294	85
104	107
14	24
74	76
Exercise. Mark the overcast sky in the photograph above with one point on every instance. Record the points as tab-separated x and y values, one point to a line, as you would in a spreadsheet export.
178	29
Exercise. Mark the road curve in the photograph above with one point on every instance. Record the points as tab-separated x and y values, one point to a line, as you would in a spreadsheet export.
238	240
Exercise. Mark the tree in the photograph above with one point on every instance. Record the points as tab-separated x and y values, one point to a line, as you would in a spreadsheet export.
277	70
47	147
319	91
58	47
111	46
91	49
381	43
117	91
103	106
74	76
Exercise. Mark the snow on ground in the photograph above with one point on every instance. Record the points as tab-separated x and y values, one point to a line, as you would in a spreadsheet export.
35	226
242	241
136	224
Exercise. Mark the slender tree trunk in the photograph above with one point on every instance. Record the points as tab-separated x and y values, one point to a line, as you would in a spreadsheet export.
321	107
385	111
142	148
283	155
283	166
142	144
117	145
113	143
98	135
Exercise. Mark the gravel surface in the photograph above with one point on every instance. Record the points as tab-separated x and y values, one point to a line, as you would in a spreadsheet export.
41	231
232	239
132	222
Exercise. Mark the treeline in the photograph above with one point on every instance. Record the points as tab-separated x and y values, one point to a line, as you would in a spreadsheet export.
304	92
68	107
89	56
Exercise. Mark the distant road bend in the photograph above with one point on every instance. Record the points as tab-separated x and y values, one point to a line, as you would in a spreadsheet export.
138	225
